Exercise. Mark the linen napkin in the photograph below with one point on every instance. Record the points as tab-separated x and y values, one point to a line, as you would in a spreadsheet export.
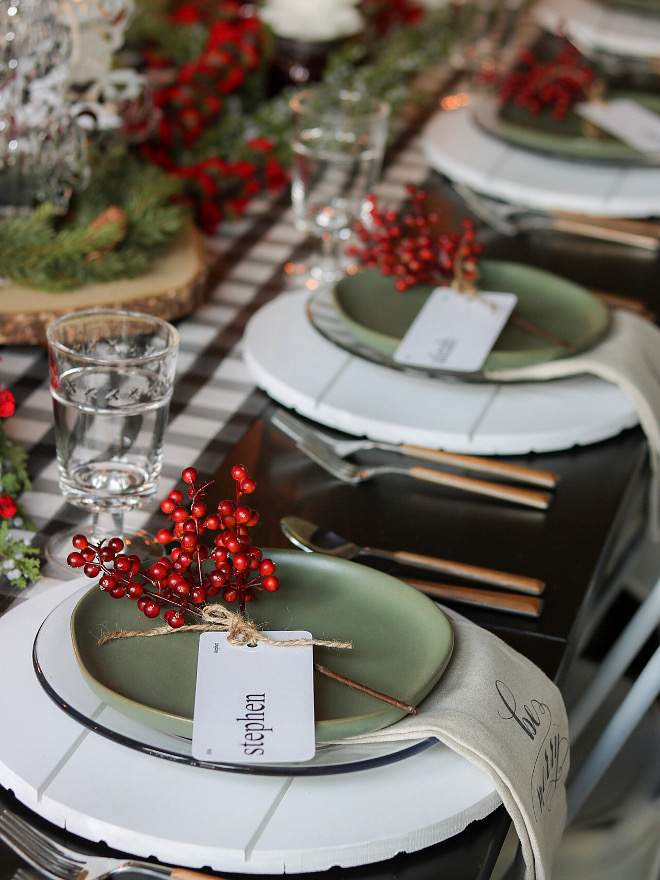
497	709
628	356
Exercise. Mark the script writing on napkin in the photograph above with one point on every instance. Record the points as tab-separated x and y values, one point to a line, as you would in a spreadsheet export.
502	713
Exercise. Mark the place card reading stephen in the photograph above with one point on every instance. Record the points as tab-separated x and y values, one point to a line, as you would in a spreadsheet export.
455	331
254	705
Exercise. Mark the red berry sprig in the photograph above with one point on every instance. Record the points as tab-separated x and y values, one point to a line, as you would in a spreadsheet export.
181	583
556	84
407	248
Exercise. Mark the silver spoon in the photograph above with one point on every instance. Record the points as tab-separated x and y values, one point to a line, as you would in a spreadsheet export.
308	536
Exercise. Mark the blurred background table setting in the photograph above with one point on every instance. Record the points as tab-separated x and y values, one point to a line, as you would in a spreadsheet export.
481	534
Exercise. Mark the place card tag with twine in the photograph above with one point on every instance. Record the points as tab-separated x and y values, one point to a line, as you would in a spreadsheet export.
455	330
254	702
625	119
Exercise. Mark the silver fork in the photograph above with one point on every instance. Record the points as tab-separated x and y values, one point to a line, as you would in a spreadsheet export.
326	457
508	219
297	429
58	862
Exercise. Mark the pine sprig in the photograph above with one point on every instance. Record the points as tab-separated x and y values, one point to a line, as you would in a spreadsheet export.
53	254
13	467
19	562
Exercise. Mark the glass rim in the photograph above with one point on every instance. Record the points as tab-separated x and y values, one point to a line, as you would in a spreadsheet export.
171	343
378	107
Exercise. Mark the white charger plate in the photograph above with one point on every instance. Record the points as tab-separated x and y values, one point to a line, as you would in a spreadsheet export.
454	144
602	27
191	816
60	675
301	369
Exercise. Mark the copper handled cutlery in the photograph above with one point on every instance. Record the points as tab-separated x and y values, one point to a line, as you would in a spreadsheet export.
497	600
55	861
295	428
509	219
328	455
311	537
522	598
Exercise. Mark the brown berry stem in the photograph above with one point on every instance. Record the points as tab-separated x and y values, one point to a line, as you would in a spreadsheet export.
411	710
524	324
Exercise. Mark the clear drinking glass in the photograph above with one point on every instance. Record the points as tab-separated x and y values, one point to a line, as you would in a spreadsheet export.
111	380
339	139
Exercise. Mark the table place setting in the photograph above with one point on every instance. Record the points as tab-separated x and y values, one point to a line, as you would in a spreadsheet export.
370	330
466	689
557	135
455	145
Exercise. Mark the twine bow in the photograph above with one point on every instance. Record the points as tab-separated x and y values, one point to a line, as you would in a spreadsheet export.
243	631
240	630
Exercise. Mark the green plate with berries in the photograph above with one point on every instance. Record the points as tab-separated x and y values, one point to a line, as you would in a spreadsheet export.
571	137
402	643
375	316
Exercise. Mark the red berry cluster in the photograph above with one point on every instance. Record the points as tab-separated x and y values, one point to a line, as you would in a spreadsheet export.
182	583
556	84
385	15
407	248
8	506
208	53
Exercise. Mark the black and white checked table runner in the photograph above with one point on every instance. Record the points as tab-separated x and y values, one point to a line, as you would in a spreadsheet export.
214	400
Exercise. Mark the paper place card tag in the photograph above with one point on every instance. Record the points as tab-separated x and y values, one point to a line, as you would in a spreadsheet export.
627	120
254	705
456	332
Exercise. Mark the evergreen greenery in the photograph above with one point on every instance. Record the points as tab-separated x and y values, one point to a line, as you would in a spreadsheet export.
54	254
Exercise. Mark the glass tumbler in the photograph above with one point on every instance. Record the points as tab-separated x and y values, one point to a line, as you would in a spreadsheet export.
111	381
339	139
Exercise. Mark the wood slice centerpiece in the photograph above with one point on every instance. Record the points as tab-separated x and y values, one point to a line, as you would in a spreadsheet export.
171	289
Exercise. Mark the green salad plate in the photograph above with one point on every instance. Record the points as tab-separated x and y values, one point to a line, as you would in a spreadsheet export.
402	643
377	316
566	138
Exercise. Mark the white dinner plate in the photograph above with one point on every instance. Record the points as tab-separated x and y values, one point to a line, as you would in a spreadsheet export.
602	27
59	674
191	816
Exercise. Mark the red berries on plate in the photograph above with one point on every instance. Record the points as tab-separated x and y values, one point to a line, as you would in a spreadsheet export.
180	583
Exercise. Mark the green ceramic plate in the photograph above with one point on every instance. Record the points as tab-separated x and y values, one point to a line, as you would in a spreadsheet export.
566	138
378	315
402	644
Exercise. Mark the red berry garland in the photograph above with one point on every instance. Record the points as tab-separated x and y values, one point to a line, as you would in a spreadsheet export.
407	248
181	583
192	105
556	84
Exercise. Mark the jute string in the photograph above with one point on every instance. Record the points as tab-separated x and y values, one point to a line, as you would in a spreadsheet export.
240	630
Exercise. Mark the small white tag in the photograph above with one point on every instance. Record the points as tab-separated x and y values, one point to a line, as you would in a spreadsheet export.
254	705
627	120
453	331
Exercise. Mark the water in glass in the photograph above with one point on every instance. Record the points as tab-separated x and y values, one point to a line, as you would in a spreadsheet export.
112	374
338	145
109	434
